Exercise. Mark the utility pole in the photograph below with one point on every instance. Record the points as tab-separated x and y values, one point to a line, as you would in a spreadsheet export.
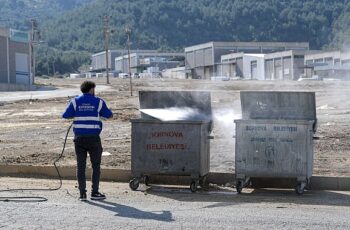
128	33
53	67
107	33
32	54
35	38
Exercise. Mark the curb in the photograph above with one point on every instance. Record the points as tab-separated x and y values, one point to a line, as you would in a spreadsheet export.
124	175
67	172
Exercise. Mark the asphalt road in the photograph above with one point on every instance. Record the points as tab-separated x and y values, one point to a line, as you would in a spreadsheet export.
47	93
176	208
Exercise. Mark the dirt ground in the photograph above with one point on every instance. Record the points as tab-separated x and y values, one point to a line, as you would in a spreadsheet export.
32	131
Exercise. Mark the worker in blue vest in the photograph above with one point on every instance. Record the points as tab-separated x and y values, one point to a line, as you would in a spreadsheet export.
87	111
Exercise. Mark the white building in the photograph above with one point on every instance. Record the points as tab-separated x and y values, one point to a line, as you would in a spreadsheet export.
247	66
333	64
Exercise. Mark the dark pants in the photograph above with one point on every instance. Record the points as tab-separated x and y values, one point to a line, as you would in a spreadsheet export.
93	146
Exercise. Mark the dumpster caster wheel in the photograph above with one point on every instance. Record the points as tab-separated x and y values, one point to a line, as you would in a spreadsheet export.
203	182
239	186
299	189
146	180
193	186
134	184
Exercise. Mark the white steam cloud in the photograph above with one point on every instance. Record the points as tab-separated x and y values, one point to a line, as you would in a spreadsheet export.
225	117
174	113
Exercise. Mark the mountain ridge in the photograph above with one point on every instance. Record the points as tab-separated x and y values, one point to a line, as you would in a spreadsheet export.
73	26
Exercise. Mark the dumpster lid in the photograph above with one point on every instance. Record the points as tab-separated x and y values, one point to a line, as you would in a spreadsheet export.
175	105
278	105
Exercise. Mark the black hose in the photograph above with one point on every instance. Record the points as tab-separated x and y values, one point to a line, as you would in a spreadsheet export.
37	198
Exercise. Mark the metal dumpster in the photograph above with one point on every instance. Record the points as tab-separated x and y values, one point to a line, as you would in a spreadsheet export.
164	144
274	138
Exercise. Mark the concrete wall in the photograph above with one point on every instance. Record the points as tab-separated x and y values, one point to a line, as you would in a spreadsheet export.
242	64
175	73
218	52
189	59
278	74
121	65
205	72
287	65
201	63
198	73
199	58
11	55
269	65
15	87
228	70
260	70
287	68
3	60
19	48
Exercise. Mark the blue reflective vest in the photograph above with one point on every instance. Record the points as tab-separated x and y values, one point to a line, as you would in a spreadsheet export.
87	111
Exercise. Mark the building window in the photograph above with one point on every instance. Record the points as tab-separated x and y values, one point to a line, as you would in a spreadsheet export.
346	62
337	62
328	60
309	62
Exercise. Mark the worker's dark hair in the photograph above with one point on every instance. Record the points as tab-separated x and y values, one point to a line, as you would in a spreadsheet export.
86	86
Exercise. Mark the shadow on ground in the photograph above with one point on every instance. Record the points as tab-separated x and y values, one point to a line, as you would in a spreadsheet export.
226	197
131	212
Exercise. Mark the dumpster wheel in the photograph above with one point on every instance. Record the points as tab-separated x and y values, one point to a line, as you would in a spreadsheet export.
146	180
193	186
134	184
203	182
299	189
239	186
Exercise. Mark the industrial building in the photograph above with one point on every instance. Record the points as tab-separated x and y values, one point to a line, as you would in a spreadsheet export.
148	62
15	59
175	73
285	65
204	60
98	60
242	65
334	64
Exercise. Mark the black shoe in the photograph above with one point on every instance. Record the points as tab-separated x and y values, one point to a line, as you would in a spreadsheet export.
83	196
97	196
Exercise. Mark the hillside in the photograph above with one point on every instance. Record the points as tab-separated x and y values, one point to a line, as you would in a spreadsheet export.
341	30
71	26
175	24
17	13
